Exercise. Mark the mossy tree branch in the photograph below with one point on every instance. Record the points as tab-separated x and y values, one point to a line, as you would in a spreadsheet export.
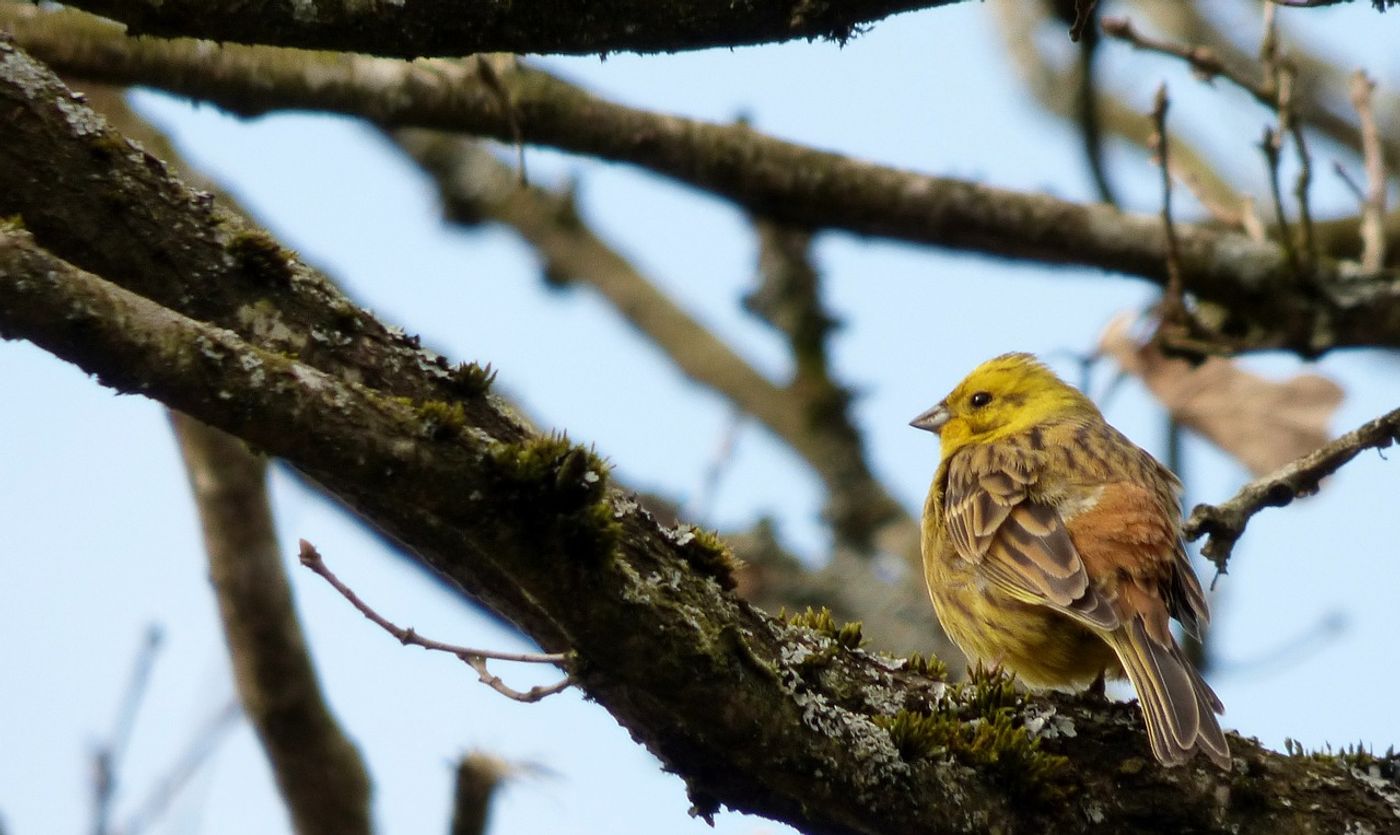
1265	305
747	709
465	27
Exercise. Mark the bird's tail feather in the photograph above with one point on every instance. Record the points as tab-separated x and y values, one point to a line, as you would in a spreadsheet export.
1177	704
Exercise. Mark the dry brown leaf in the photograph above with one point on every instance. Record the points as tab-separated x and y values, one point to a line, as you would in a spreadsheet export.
1262	423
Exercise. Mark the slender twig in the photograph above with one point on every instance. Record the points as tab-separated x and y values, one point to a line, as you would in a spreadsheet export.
1225	523
1347	180
1373	205
475	658
1084	31
1204	61
202	746
1280	75
1289	122
1179	329
1275	92
1305	640
107	758
1083	19
699	508
493	82
1272	146
1173	305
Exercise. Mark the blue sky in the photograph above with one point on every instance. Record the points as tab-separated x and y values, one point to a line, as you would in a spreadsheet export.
99	537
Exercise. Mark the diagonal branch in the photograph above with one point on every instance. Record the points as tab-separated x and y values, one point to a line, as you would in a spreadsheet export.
464	27
318	770
746	708
1224	523
1251	279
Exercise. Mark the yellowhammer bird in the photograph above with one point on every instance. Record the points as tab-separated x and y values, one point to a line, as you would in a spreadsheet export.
1052	547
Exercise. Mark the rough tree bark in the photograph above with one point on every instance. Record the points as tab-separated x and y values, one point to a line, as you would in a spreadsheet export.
463	27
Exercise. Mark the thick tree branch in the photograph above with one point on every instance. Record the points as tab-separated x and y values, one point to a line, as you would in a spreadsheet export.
730	699
464	27
1224	523
318	770
1251	280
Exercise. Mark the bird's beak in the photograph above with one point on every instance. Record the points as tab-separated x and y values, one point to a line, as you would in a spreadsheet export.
932	420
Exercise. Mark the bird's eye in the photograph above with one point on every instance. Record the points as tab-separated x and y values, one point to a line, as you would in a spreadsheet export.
980	399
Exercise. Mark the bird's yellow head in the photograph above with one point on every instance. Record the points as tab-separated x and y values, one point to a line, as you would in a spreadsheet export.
1001	397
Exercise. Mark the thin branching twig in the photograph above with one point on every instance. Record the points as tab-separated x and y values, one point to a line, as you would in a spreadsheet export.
107	758
201	747
1274	91
475	658
1225	523
1373	203
1172	302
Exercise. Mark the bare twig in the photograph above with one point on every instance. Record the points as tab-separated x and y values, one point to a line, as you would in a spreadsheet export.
1203	60
1083	19
201	747
1060	87
475	658
1275	92
1373	206
1347	180
1225	523
1318	78
1280	77
1179	329
485	68
703	503
1272	145
107	758
1173	303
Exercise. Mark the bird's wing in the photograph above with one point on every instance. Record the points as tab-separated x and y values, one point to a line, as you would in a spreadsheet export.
1019	545
1129	543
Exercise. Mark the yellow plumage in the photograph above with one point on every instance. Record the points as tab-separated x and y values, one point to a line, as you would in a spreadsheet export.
1052	547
